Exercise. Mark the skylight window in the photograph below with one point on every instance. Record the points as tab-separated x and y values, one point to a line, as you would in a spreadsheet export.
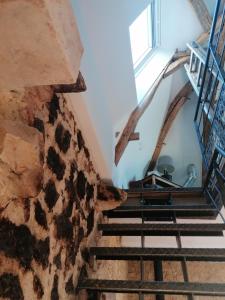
142	35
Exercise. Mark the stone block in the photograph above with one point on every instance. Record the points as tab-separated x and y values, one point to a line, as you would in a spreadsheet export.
40	43
21	169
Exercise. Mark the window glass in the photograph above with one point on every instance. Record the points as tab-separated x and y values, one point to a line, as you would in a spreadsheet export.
141	35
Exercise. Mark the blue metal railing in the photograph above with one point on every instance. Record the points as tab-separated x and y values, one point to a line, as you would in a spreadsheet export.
210	114
215	183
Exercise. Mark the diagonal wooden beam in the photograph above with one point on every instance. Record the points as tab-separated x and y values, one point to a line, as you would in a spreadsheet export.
221	41
202	14
204	37
173	110
177	64
135	116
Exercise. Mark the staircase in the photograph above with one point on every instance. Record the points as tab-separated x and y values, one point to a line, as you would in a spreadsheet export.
161	212
174	204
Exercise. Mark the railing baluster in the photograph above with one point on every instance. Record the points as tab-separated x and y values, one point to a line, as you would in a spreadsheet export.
200	67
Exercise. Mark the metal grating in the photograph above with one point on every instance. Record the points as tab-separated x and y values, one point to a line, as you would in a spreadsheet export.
132	229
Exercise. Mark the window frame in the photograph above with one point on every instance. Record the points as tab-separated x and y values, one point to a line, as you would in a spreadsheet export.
153	14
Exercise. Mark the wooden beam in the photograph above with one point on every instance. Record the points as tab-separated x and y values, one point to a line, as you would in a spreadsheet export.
202	14
135	136
221	41
173	110
203	38
135	116
175	65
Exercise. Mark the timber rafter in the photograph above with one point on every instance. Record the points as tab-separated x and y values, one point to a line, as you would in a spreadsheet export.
135	116
173	110
202	13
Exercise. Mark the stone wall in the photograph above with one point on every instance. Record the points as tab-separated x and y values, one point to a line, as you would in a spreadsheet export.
44	233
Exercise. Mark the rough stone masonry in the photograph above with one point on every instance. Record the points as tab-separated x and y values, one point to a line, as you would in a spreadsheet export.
51	196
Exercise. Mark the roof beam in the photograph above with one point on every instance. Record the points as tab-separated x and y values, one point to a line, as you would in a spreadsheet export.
173	110
202	14
135	116
176	64
205	35
135	136
221	40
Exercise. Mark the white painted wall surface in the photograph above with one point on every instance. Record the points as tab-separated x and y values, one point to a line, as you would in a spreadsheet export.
181	142
108	71
180	24
182	145
89	131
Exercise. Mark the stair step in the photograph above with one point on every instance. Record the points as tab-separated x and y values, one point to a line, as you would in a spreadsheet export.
161	211
174	254
162	229
180	192
148	287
